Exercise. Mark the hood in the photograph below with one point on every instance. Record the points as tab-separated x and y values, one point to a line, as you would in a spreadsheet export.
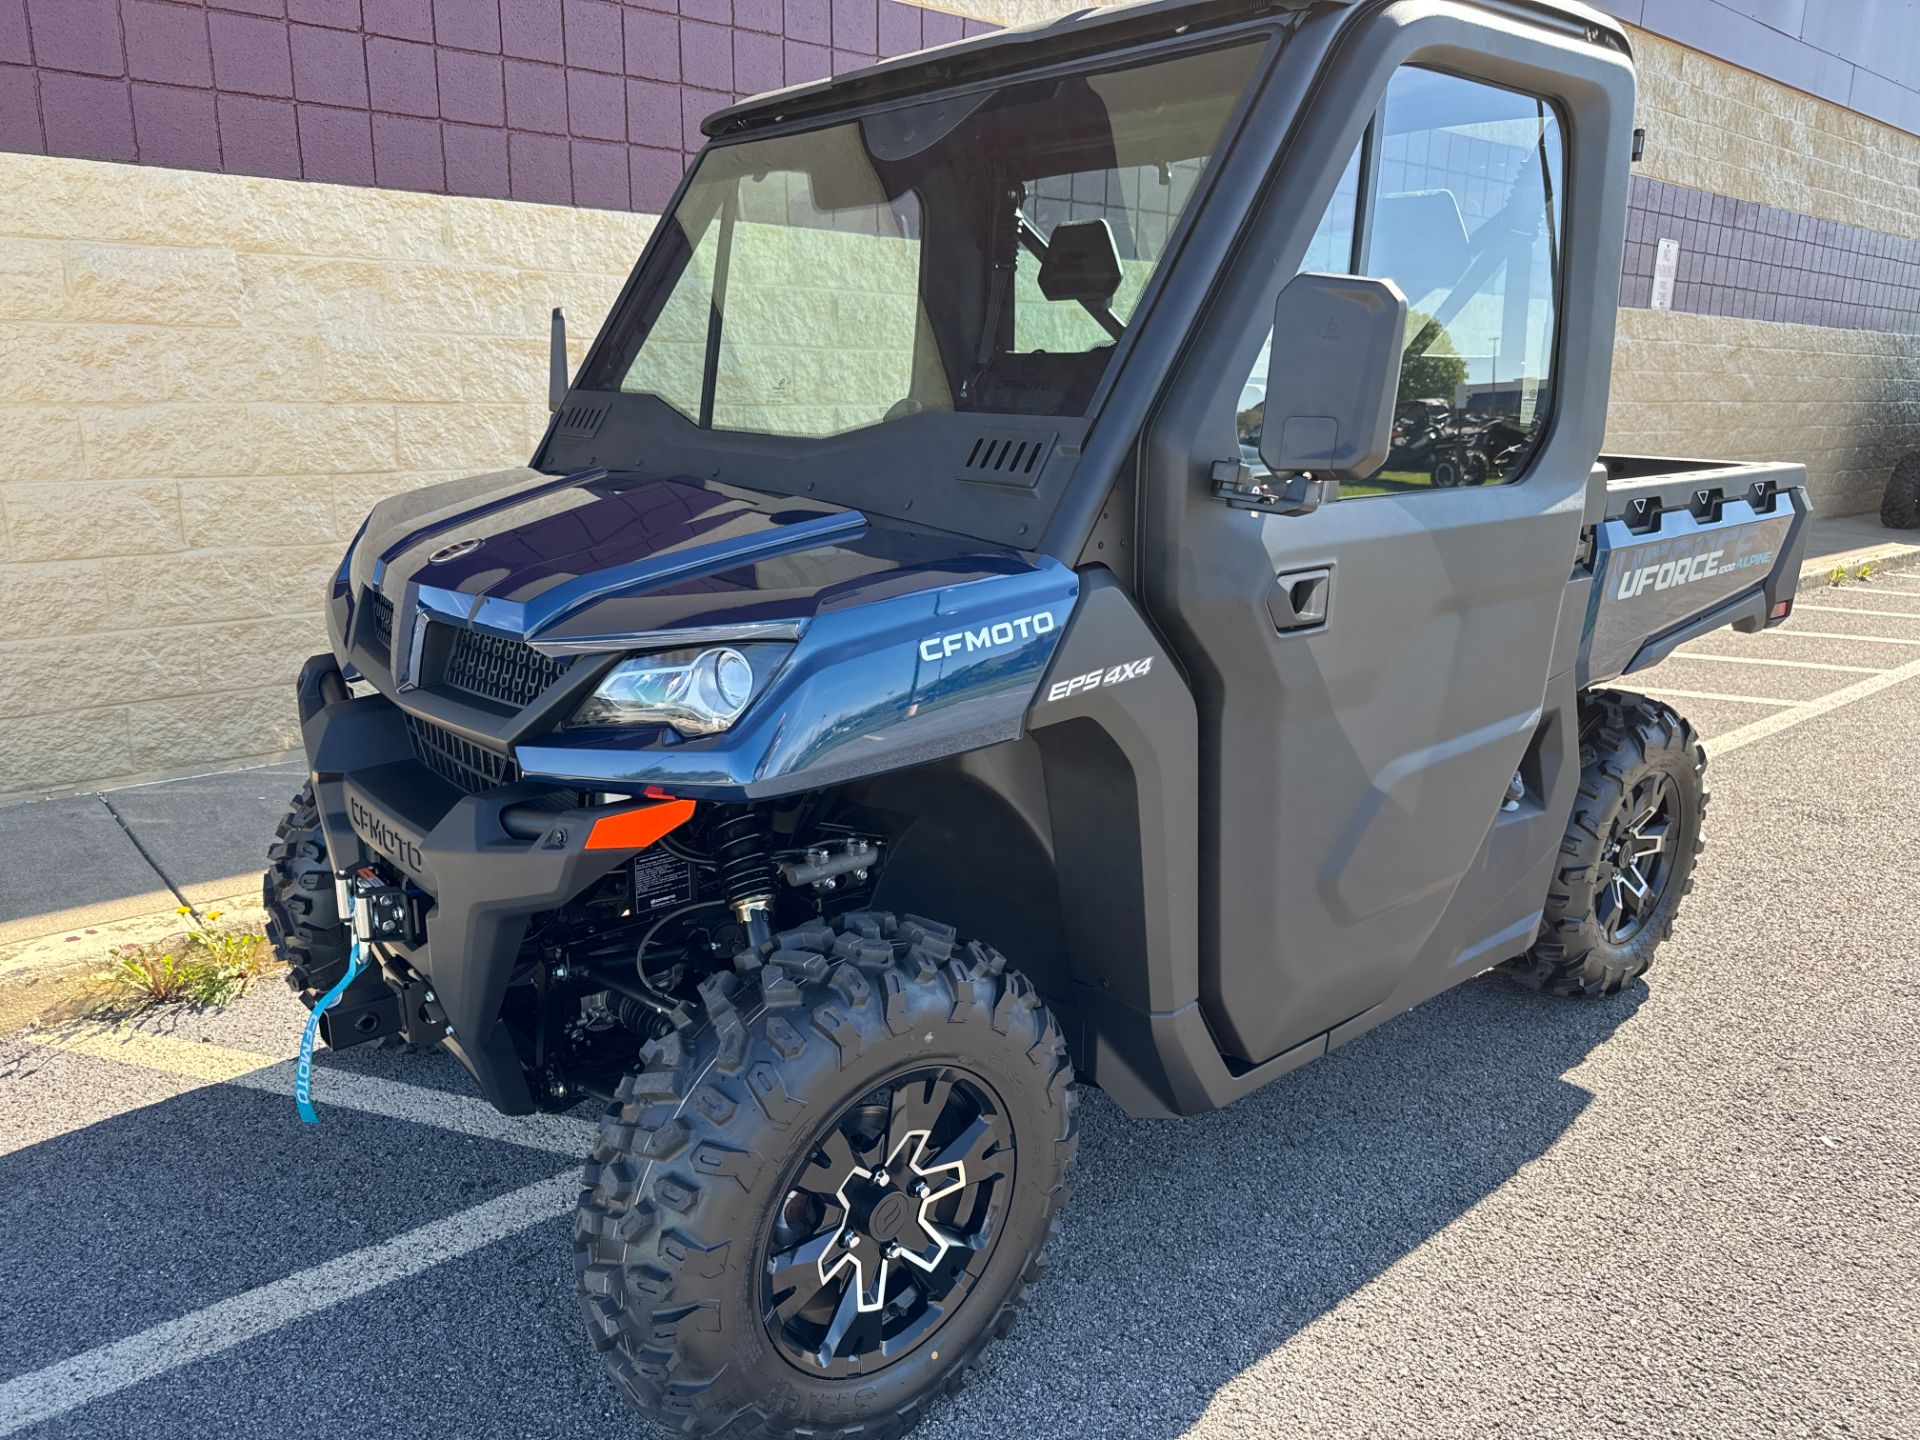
592	560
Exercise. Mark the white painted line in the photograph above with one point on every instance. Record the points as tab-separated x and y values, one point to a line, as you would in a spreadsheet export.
1865	592
1783	664
218	1065
1856	610
464	1114
66	1385
1786	719
1713	695
1830	635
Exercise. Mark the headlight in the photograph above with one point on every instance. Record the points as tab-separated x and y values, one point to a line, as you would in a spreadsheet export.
697	692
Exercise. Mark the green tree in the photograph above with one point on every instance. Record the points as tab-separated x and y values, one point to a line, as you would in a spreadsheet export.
1432	369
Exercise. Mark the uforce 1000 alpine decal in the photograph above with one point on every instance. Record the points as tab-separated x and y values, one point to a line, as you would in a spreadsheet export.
1647	584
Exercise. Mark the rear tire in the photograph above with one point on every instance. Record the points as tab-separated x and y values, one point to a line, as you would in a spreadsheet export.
707	1184
1641	765
1900	506
303	912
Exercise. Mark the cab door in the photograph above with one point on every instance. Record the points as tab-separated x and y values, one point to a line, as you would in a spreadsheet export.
1370	675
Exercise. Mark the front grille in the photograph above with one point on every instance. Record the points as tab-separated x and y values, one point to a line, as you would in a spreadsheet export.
509	672
382	610
472	768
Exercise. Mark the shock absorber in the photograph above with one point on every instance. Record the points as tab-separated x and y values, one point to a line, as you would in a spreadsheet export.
742	853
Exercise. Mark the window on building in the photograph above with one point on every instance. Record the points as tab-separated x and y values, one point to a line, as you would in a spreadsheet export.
1461	199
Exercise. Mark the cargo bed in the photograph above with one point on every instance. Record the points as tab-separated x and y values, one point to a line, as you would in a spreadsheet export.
1677	548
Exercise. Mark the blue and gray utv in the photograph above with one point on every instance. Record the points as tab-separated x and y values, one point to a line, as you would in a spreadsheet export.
964	635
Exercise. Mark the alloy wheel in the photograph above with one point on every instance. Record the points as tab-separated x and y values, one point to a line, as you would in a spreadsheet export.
889	1223
1638	859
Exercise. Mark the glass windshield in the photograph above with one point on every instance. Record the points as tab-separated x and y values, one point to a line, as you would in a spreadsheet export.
980	252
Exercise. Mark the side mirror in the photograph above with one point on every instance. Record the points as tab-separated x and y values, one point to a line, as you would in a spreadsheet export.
558	370
1333	377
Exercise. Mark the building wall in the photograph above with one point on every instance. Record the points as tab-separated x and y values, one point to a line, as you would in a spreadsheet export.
1795	327
205	381
265	261
1860	54
241	299
583	102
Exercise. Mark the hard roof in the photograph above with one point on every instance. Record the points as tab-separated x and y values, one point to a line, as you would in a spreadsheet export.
1080	32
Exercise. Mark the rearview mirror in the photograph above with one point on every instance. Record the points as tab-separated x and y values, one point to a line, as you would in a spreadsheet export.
1333	376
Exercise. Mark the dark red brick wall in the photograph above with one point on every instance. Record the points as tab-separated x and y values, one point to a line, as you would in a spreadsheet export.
588	102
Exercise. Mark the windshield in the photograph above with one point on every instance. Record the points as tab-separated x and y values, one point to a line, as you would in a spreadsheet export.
979	252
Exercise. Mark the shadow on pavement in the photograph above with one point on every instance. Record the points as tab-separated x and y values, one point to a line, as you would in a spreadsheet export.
1196	1247
1191	1250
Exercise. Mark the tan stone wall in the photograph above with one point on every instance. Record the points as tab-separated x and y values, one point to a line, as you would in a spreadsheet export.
205	381
1842	402
1717	127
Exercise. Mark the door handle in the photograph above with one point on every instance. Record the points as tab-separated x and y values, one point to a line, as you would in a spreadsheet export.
1300	599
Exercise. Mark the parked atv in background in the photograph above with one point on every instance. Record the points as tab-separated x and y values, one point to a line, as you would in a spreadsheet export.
894	696
1454	447
1900	506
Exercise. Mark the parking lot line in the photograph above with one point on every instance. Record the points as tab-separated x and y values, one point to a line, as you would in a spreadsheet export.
1808	709
1662	690
1783	664
1831	635
190	1060
1855	610
215	1064
56	1389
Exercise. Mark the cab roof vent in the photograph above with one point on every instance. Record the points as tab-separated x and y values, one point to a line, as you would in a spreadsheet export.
1007	457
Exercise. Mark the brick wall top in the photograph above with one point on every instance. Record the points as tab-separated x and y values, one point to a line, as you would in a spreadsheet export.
588	102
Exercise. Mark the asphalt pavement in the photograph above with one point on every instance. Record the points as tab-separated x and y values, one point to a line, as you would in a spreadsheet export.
1690	1210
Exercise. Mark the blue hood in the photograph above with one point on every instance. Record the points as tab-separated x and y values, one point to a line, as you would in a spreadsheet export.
906	645
588	560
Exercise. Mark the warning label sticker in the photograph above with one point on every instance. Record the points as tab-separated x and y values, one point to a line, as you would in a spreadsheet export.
660	879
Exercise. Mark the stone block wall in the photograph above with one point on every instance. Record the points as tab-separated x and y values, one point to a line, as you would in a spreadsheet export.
1795	331
205	382
583	102
215	358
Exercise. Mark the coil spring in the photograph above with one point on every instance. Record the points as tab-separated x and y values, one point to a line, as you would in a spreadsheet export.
742	854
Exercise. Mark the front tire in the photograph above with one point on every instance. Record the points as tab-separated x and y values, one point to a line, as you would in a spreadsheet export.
872	1084
303	912
1629	852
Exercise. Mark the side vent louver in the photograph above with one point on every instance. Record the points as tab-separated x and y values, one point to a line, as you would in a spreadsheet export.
1005	457
582	418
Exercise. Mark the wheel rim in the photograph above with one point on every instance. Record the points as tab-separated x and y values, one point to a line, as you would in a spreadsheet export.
1638	859
888	1224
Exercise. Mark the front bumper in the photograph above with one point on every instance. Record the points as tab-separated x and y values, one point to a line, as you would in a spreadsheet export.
483	881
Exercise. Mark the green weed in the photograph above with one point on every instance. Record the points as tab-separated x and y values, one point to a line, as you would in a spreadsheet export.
204	967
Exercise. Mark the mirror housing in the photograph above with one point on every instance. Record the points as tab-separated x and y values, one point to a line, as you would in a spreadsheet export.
1332	377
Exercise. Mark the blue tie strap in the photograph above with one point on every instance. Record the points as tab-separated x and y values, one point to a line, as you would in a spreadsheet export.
303	1068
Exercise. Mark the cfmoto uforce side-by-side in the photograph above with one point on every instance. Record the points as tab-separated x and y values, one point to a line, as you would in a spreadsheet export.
1078	558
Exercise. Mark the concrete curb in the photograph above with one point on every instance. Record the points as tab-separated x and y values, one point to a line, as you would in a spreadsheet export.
37	976
1892	555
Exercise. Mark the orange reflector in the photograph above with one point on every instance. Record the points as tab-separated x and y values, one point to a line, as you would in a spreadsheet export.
637	829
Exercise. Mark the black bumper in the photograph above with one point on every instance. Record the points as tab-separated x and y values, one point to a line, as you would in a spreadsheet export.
486	862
